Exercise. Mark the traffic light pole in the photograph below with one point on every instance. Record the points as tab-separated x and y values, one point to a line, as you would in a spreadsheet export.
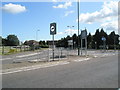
53	47
78	30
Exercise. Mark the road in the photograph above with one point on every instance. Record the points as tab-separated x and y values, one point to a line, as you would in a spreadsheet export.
101	72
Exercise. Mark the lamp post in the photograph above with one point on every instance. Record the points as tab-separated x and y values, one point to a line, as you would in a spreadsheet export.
37	34
36	41
71	33
70	29
78	29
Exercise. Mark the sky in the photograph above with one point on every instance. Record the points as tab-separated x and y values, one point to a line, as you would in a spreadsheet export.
31	20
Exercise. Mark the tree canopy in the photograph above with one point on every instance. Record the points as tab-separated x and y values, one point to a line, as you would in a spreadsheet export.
12	40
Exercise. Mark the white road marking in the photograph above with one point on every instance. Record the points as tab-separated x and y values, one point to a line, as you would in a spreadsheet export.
80	60
28	55
95	56
34	67
5	59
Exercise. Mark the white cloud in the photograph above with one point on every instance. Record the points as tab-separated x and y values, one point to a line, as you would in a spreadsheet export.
13	8
71	31
68	32
110	25
109	10
65	5
68	12
54	0
60	33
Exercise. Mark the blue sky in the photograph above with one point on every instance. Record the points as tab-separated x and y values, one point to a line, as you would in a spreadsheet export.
25	18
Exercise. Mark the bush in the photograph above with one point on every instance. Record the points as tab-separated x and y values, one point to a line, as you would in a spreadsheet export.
44	46
12	51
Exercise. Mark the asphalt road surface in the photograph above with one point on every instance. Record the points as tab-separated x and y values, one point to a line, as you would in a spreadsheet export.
94	73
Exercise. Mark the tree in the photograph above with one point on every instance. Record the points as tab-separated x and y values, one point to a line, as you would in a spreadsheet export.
0	41
96	39
12	40
4	42
113	39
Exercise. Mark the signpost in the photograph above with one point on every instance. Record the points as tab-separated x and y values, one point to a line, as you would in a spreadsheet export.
70	43
84	36
53	32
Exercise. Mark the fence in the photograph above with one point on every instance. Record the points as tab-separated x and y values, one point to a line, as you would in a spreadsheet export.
47	55
13	49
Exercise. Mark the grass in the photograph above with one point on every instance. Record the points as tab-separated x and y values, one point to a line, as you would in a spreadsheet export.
10	50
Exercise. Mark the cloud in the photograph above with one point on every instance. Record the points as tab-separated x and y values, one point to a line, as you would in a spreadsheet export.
109	10
68	32
71	31
68	12
110	25
60	33
65	5
54	0
13	8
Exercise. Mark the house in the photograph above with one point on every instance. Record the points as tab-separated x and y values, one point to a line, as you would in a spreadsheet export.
31	43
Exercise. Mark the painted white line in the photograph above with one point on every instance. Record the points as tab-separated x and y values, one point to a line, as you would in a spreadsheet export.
95	56
80	60
28	55
5	59
34	67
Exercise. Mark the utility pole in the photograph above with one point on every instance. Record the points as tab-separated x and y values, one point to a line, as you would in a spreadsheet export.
78	29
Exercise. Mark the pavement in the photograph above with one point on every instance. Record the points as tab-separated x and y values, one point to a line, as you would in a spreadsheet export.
97	72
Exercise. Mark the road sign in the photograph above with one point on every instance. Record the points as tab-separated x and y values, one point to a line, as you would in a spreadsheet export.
70	42
103	39
83	34
52	28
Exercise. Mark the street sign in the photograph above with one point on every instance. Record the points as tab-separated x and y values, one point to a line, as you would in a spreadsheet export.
52	28
103	39
83	34
70	42
53	32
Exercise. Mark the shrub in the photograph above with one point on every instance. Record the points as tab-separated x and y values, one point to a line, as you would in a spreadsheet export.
12	51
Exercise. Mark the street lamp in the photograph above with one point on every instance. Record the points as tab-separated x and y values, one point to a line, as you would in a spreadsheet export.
70	29
78	29
37	34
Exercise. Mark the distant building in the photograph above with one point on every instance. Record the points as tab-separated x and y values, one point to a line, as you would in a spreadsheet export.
31	42
51	42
